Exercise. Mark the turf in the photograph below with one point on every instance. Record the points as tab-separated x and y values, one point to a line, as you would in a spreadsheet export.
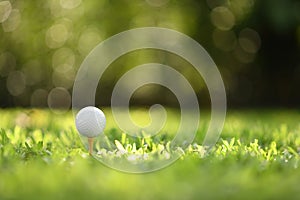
257	156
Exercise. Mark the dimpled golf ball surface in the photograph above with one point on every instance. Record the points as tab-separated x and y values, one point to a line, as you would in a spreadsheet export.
90	121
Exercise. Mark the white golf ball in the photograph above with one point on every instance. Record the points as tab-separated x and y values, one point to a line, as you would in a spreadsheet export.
90	121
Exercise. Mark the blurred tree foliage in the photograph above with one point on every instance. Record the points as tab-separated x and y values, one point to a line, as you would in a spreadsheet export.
256	45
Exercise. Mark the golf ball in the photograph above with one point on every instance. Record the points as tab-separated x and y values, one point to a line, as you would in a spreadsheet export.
90	121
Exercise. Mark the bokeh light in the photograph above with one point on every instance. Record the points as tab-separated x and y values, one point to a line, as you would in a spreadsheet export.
12	22
56	35
5	9
70	4
222	18
16	83
89	38
59	99
243	56
249	40
240	8
39	98
63	79
63	60
22	120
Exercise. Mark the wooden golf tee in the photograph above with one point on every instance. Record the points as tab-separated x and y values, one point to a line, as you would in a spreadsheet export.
91	142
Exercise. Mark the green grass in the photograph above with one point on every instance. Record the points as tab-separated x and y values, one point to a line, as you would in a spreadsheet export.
257	156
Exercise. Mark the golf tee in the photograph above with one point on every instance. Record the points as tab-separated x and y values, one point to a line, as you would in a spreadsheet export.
91	142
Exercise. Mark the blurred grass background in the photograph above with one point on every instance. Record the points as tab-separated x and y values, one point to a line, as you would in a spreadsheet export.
256	45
